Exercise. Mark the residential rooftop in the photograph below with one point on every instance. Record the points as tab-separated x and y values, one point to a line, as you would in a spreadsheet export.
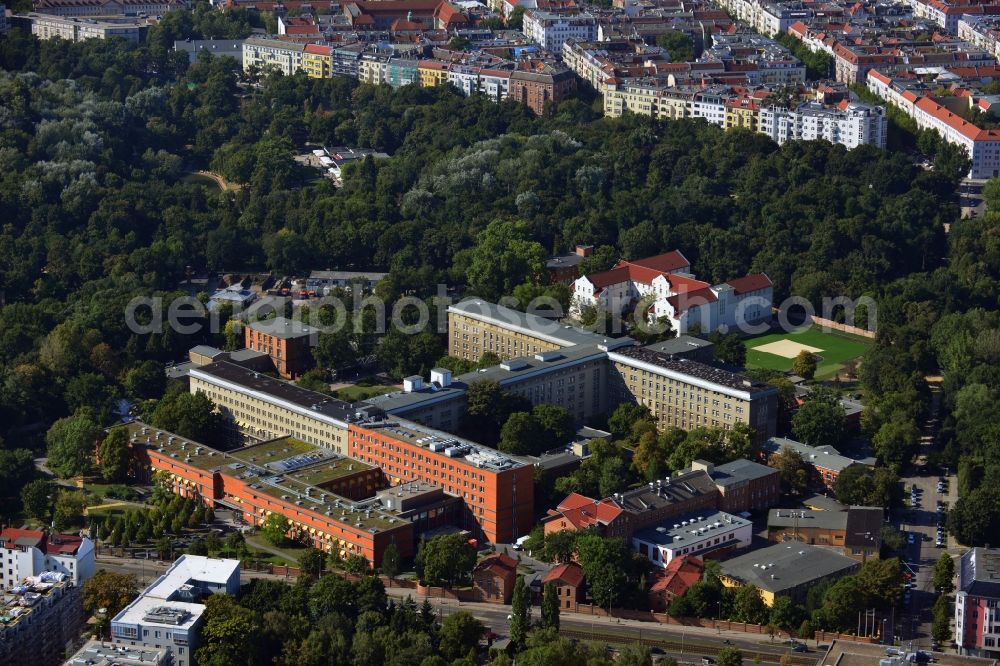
979	572
785	566
671	490
100	653
738	471
823	456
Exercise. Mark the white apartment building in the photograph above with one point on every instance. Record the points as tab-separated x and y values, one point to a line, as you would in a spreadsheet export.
494	84
981	32
550	31
693	535
767	18
982	146
856	125
673	293
45	26
107	7
26	553
285	57
168	614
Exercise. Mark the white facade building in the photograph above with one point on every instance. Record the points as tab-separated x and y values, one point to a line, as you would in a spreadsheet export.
673	293
693	535
550	31
167	614
26	553
856	125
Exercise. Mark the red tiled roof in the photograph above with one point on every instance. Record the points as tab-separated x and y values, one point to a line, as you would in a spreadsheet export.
302	30
568	574
582	512
12	534
666	262
499	564
690	299
750	283
680	574
318	49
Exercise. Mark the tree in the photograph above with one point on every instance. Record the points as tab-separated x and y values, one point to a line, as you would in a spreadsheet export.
228	632
678	45
390	561
275	529
146	381
504	257
804	364
71	445
624	417
190	415
550	606
356	564
944	574
198	547
520	611
729	348
109	590
114	455
69	508
459	633
36	499
792	469
521	435
749	606
785	614
605	563
560	546
556	424
896	441
446	559
729	656
311	562
820	422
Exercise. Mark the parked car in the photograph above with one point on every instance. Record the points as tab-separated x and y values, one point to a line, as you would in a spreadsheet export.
911	538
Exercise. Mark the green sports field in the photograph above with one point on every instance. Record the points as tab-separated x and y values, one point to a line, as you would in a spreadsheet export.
835	350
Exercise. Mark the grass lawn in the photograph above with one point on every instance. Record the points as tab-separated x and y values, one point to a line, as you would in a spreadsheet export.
838	348
266	551
357	392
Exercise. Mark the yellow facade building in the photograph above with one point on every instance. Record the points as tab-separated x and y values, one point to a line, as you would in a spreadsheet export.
317	61
432	73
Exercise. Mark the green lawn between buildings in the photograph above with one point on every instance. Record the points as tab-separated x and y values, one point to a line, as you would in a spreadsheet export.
358	392
838	348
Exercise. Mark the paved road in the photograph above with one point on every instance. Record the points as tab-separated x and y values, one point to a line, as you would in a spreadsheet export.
922	520
694	641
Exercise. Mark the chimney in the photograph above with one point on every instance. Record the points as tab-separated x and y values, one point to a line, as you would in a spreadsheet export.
413	383
584	250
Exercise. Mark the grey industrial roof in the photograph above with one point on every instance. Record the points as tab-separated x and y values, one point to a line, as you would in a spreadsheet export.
206	350
707	373
806	519
540	327
825	456
506	373
303	398
286	329
680	345
740	470
680	534
864	525
570	259
785	566
979	572
680	488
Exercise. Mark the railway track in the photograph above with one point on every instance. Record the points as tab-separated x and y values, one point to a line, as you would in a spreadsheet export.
695	646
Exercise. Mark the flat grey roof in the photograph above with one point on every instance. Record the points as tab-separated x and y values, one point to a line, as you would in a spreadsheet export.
507	373
286	329
785	566
679	534
979	572
740	470
710	376
806	519
530	324
825	456
680	345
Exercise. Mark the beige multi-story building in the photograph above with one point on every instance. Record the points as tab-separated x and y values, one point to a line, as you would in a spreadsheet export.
688	394
272	54
259	408
476	327
46	26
